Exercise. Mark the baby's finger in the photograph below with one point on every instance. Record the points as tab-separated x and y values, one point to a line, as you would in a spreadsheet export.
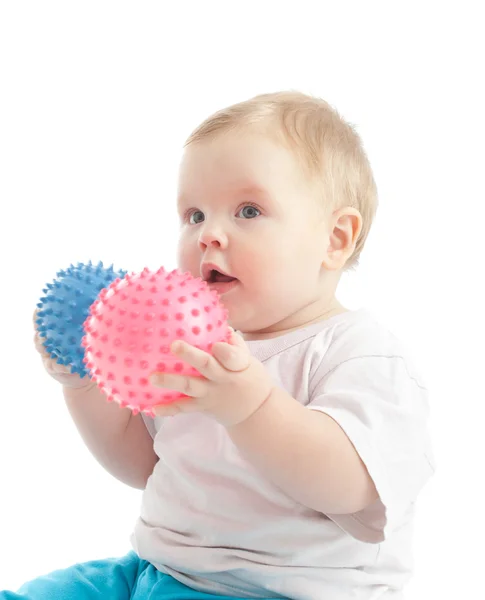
203	362
237	339
60	369
38	340
39	345
231	357
185	405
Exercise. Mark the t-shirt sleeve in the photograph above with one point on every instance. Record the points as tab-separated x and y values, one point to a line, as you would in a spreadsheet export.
383	408
150	424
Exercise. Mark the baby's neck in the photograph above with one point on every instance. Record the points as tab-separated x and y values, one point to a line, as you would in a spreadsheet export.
307	316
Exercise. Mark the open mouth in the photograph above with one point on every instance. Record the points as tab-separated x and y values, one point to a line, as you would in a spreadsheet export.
217	277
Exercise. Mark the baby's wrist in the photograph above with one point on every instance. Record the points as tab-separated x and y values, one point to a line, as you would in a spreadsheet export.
252	413
79	389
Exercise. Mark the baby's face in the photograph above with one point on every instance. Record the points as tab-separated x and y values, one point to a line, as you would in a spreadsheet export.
247	212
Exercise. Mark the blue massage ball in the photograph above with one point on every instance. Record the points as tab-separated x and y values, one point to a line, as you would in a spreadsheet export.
64	308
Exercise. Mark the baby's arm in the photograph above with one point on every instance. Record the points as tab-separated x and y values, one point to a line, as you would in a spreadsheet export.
306	454
118	440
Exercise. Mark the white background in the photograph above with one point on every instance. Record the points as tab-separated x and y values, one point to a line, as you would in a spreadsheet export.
96	101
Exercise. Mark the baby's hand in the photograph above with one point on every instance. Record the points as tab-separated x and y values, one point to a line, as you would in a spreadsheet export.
233	384
60	373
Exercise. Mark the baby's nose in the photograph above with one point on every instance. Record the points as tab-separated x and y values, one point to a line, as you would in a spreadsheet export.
212	237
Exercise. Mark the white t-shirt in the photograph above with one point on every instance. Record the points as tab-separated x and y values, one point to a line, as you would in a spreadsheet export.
213	522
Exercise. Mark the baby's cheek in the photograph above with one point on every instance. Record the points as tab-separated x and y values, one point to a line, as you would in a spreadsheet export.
187	257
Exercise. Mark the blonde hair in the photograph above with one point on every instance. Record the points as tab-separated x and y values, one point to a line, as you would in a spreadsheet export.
328	147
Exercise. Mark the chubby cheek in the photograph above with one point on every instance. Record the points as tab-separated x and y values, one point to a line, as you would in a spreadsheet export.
260	267
188	257
282	269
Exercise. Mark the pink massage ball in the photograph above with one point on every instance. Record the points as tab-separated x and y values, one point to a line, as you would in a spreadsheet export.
132	325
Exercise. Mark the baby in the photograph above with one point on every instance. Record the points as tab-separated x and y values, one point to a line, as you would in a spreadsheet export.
293	467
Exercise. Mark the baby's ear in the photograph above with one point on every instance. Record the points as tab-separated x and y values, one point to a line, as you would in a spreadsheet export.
344	229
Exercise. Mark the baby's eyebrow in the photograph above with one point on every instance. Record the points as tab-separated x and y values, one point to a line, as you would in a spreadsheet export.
236	191
182	203
253	190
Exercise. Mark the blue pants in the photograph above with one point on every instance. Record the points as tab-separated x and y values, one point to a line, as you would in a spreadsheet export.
126	578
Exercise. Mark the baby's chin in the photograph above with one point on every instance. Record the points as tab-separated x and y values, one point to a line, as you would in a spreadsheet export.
251	328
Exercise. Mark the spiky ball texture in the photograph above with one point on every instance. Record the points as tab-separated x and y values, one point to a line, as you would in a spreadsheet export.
64	308
132	325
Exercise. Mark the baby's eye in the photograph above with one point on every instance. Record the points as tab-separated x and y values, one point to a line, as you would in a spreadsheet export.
200	217
249	211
